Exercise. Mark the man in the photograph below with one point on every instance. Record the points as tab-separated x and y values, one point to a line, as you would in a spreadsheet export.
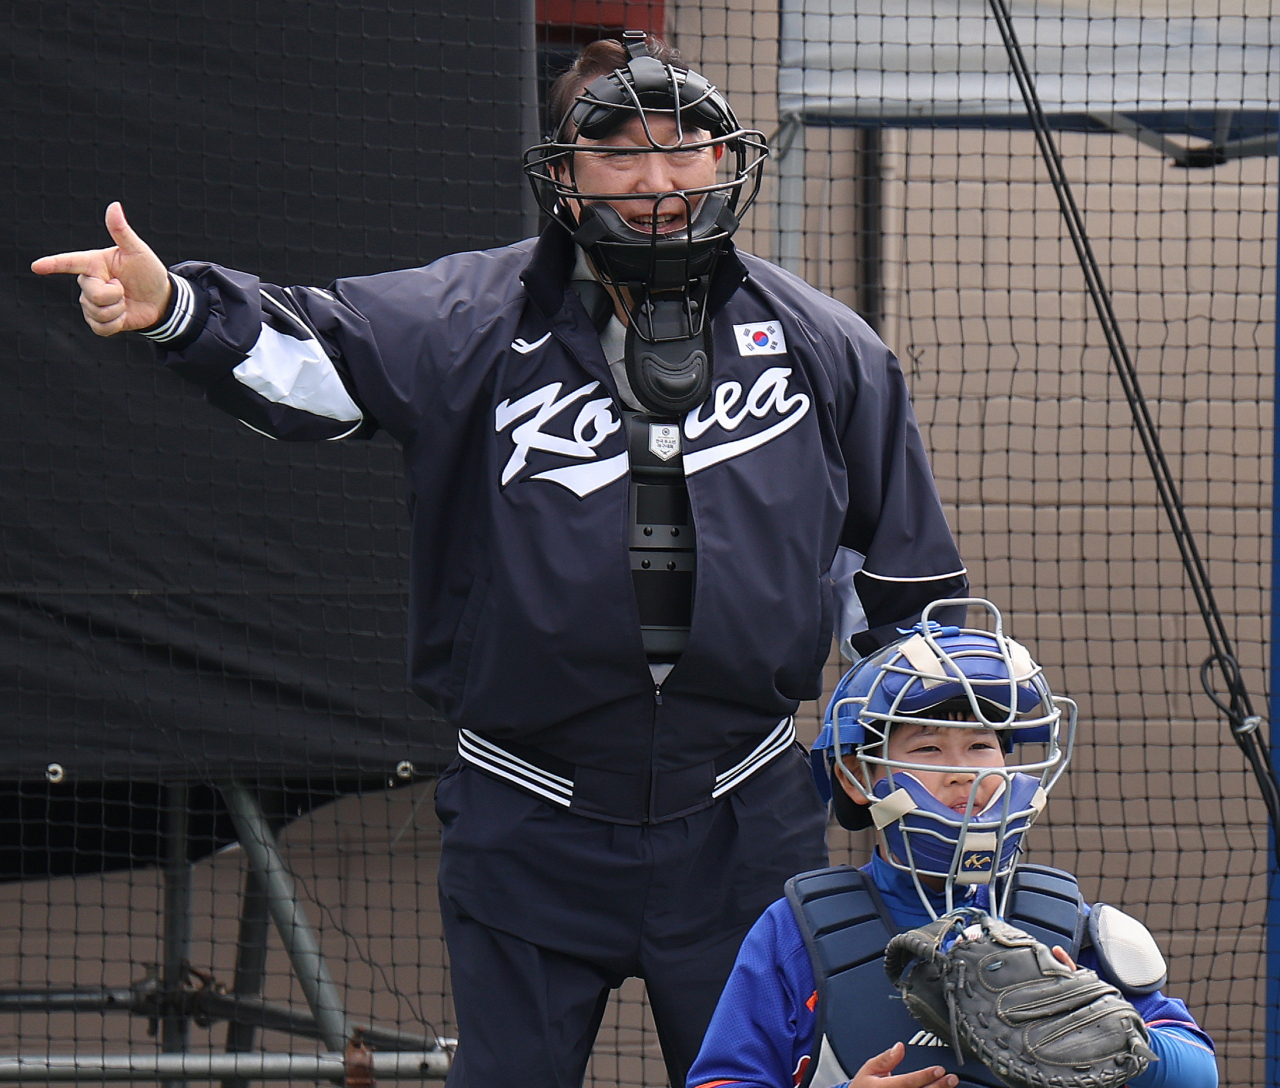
648	478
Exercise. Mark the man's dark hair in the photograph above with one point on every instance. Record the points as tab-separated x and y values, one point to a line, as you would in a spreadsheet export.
595	60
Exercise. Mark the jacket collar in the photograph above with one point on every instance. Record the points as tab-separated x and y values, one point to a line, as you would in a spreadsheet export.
546	276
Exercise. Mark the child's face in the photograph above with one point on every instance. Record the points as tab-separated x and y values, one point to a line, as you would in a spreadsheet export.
943	747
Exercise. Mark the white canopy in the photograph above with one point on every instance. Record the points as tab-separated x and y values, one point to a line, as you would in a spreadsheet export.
910	62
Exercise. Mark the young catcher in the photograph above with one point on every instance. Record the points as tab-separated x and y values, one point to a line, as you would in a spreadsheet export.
918	741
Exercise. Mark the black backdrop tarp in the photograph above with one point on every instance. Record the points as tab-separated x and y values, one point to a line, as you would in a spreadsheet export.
179	596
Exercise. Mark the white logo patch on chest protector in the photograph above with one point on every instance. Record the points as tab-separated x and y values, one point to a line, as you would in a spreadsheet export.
760	338
664	440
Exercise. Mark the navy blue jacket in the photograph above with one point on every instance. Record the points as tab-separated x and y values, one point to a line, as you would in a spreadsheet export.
524	627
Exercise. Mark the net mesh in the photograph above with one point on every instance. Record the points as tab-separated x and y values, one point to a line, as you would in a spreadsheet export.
946	236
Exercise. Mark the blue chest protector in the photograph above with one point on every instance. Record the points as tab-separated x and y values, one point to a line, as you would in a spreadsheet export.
846	927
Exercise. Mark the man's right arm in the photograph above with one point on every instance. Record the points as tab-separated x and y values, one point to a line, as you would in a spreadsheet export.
264	358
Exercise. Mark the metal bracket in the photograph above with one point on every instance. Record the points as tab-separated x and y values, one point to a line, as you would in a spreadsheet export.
1215	153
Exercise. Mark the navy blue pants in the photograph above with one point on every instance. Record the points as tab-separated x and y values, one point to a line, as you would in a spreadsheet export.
546	911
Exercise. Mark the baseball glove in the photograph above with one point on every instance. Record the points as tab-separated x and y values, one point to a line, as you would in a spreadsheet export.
997	994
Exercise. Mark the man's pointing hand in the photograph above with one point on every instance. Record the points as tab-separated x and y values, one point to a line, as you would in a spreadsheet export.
122	288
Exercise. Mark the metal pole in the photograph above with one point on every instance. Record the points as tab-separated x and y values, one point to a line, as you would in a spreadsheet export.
300	940
106	999
870	232
100	1068
791	181
1272	960
174	1034
251	965
530	122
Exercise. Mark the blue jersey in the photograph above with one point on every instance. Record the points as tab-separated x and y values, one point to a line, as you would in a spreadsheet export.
761	1035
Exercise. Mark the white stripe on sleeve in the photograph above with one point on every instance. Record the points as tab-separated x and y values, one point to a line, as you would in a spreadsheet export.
184	308
298	374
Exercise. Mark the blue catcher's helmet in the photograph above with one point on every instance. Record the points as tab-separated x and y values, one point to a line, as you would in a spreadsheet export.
942	677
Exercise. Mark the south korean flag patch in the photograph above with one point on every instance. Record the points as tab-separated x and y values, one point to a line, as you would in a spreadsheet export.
760	338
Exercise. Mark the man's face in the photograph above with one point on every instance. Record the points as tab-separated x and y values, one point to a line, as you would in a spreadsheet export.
941	746
620	167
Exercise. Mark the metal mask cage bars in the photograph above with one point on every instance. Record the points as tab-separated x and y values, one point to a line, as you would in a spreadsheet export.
636	106
929	630
893	718
539	159
975	698
1056	758
1000	833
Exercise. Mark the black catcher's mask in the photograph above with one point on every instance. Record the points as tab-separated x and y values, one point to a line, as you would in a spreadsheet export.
664	276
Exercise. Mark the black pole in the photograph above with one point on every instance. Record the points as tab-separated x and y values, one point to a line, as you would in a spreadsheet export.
174	1027
530	112
869	232
251	964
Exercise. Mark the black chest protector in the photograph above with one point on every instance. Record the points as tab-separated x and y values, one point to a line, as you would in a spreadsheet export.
846	927
662	543
660	526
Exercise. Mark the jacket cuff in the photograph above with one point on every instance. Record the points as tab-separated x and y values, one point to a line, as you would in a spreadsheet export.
183	318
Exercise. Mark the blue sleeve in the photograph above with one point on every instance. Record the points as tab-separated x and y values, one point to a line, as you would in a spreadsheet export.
1185	1060
1185	1050
762	1031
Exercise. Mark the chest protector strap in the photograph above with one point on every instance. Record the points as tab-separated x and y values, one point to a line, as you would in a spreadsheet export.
662	544
846	927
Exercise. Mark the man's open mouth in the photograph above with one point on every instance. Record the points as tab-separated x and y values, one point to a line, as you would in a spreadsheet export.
662	223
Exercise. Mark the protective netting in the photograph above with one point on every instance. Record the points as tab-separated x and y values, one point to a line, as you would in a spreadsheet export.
188	609
1052	498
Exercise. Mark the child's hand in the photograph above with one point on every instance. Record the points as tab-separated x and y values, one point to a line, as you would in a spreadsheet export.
875	1073
1060	954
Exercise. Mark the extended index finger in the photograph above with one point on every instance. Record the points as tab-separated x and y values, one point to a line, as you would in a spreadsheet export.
80	262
